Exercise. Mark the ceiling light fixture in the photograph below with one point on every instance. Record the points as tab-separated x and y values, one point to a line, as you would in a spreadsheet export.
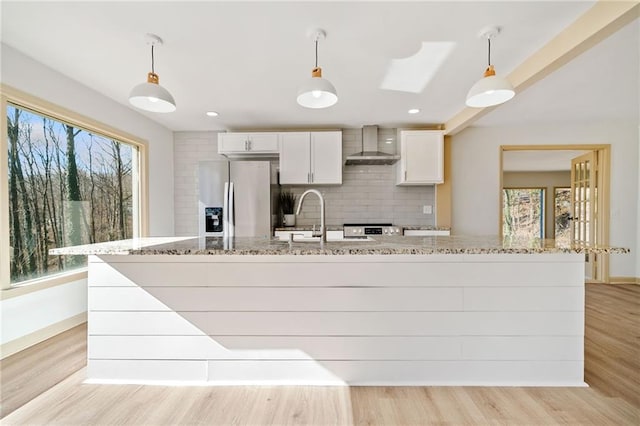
490	90
317	92
212	114
413	111
150	96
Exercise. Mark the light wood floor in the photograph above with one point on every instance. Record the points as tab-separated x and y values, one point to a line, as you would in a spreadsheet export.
612	368
29	373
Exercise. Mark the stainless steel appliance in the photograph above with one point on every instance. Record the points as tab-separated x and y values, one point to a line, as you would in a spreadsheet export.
352	230
370	155
234	198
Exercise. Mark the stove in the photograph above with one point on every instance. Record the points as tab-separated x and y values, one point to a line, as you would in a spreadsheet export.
366	229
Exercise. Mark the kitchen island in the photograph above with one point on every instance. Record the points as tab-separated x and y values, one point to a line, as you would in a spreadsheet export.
393	311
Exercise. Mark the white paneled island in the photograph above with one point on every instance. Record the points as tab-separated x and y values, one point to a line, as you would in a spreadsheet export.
394	311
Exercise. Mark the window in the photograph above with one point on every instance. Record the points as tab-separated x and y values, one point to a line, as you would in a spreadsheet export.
66	186
562	215
523	213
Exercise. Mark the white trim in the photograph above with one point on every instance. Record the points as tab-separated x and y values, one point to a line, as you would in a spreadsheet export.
44	282
41	335
34	104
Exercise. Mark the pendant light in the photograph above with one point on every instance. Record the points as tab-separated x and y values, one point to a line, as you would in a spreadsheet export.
150	96
317	92
491	89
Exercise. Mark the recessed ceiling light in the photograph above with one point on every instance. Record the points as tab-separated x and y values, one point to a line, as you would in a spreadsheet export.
413	111
212	113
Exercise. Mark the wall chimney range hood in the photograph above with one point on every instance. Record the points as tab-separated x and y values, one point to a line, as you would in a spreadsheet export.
370	156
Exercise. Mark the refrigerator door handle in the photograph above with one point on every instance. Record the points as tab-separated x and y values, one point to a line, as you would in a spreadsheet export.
232	213
225	211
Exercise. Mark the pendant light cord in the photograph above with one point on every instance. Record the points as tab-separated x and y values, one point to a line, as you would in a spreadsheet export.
152	61
316	53
489	55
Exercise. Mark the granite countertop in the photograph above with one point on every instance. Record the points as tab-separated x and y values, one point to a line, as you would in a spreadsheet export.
388	245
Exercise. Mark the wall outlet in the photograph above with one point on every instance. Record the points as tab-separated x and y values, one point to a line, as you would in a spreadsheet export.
427	209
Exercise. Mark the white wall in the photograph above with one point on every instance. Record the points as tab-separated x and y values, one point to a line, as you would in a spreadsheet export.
476	177
23	315
27	314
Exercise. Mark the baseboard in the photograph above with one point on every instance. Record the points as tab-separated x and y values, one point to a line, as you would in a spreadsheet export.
624	280
41	335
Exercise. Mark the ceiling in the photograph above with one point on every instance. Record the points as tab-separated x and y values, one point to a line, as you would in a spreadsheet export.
245	60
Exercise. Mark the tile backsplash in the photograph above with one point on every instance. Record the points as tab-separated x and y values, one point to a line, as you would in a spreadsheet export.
368	193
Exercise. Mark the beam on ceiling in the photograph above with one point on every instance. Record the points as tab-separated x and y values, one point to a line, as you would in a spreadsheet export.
603	19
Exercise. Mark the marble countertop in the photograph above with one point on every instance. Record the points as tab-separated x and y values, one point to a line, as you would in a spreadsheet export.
388	245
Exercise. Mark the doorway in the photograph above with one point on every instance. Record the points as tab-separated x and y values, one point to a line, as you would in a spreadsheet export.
573	205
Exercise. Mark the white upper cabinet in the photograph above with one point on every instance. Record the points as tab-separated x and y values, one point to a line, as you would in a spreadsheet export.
311	158
421	157
295	157
326	158
248	143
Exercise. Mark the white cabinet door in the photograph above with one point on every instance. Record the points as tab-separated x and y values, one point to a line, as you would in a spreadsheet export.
232	142
311	158
263	142
295	158
421	157
248	143
326	158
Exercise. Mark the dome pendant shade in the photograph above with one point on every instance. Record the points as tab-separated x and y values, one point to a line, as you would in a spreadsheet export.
317	92
150	96
490	90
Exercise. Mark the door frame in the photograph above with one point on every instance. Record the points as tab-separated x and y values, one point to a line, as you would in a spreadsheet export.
603	182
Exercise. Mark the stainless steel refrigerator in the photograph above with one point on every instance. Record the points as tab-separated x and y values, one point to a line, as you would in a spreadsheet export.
234	198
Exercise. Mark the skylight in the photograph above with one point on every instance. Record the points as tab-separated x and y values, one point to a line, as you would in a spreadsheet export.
412	74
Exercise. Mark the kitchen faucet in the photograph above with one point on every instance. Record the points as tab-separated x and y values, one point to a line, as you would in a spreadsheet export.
323	228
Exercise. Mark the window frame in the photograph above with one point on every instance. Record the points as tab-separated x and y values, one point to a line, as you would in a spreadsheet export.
22	100
542	200
555	188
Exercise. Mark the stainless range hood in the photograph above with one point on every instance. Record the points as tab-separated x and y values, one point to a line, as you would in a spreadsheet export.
370	156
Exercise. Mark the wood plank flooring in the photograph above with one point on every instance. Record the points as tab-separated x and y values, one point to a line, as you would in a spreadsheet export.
28	373
612	356
612	340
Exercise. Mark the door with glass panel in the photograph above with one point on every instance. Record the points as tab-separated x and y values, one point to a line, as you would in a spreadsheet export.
583	207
